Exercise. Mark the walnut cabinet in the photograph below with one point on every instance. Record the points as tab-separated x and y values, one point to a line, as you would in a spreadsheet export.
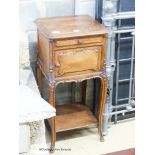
71	49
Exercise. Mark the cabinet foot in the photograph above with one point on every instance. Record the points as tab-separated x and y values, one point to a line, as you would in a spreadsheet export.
52	149
101	138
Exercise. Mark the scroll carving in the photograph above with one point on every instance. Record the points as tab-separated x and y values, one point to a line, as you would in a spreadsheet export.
51	77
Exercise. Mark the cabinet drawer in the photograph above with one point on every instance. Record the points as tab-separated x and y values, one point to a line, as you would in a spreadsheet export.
80	41
78	61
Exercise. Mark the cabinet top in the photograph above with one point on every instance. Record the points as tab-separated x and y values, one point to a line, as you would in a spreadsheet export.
70	26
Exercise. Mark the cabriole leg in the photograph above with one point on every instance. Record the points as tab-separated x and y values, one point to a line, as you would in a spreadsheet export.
52	120
39	78
103	93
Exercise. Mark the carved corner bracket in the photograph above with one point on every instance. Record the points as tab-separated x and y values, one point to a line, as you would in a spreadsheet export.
104	74
51	77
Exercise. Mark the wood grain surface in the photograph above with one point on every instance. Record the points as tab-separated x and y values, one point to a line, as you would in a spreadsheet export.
70	26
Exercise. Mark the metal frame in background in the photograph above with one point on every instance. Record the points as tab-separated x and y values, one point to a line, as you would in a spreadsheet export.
110	14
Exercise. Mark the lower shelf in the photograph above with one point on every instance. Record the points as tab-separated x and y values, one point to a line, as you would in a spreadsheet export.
73	116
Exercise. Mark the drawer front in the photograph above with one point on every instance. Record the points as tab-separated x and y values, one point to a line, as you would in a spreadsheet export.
78	61
80	41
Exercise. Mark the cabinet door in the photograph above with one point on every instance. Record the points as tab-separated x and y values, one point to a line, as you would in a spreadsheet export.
78	61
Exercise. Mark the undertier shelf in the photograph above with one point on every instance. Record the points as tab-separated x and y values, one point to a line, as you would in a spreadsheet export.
73	116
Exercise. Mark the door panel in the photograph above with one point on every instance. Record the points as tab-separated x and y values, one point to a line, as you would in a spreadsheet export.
78	60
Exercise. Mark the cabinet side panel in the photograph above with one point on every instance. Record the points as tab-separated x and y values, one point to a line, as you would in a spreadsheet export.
43	54
104	53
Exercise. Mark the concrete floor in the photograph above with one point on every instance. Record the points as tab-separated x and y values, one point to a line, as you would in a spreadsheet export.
86	141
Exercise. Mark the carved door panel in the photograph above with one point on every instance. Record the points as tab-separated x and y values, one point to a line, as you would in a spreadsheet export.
77	61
